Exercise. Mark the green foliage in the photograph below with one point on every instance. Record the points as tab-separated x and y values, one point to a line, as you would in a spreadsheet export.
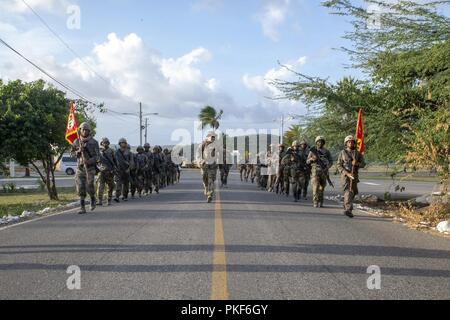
209	117
406	95
33	119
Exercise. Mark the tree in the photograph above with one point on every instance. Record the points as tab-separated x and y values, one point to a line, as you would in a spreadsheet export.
406	94
210	118
33	118
294	133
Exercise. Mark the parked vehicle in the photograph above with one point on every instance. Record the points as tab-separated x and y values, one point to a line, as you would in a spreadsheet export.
68	165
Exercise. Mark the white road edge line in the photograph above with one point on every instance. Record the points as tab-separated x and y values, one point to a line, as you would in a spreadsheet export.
37	219
372	184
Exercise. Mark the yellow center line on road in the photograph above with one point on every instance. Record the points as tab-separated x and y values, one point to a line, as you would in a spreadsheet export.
219	275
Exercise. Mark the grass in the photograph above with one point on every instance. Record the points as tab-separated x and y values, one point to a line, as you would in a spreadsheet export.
400	179
16	203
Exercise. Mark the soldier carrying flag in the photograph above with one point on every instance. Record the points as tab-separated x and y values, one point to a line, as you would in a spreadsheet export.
87	151
349	162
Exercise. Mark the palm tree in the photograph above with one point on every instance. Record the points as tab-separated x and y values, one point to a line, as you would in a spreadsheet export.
294	133
210	118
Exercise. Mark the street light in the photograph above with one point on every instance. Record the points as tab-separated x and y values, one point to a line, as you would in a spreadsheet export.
140	115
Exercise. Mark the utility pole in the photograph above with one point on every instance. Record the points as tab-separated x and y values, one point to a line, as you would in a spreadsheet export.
140	123
146	129
282	129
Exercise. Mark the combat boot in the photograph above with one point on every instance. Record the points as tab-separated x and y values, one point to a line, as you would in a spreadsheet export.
349	214
210	198
83	207
100	202
93	204
109	201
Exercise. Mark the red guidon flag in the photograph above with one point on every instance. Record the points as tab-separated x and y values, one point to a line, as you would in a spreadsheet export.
72	126
360	146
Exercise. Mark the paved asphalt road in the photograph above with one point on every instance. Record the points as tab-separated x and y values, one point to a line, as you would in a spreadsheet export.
248	245
376	187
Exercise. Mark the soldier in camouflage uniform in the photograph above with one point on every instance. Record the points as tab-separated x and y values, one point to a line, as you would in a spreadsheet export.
297	168
108	167
285	167
87	152
243	171
148	180
225	168
349	162
279	181
157	168
304	149
123	158
133	173
207	159
321	161
141	161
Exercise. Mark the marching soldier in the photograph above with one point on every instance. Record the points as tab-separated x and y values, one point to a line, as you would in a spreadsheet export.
297	174
87	152
286	166
108	167
148	172
225	168
304	149
123	157
279	182
157	168
133	174
349	162
207	159
321	161
141	161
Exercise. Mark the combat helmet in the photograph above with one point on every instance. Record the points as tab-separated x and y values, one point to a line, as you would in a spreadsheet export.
85	126
320	138
123	140
349	138
105	141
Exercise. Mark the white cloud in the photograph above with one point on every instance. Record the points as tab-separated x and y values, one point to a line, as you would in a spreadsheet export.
272	15
17	6
260	84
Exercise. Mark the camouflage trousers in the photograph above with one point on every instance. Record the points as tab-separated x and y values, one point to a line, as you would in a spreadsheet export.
349	195
297	184
318	182
133	182
243	171
156	178
224	172
85	181
122	184
286	181
105	179
148	180
140	181
209	175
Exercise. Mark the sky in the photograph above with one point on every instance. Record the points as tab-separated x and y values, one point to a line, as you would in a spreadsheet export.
175	57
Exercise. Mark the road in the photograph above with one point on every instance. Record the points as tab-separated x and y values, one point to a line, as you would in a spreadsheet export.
368	186
249	244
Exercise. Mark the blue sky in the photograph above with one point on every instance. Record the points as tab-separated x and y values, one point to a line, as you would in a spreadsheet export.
177	56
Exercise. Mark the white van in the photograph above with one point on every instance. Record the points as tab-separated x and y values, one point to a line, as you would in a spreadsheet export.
68	164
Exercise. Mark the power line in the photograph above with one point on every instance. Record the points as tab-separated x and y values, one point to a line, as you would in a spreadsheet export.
67	87
76	55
